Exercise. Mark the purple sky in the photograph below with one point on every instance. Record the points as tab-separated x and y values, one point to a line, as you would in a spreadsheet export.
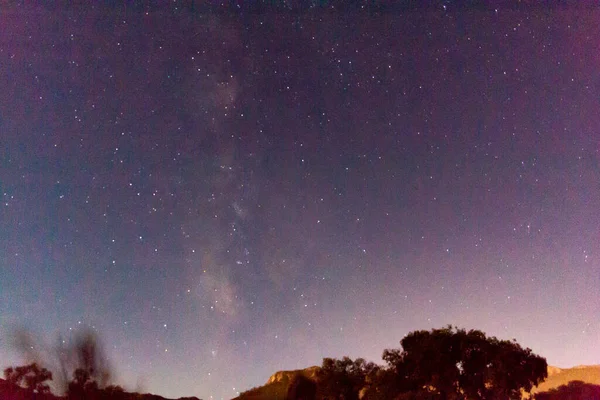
222	195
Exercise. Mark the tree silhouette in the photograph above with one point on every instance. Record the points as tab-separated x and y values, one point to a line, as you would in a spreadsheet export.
83	385
91	371
452	363
115	392
82	350
381	384
344	379
91	358
30	377
574	390
302	388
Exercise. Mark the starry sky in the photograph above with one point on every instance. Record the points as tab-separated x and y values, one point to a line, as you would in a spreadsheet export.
223	192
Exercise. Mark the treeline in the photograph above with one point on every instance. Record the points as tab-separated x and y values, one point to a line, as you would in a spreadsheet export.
32	382
445	364
441	364
81	372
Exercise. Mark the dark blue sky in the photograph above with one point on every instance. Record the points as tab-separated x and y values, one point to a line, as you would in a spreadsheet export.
224	194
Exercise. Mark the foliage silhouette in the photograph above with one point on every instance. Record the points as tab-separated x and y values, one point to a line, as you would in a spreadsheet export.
30	377
91	358
452	363
574	390
344	379
82	386
83	350
381	384
81	364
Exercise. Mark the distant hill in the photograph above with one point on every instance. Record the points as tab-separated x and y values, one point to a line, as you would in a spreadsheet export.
562	376
277	386
10	392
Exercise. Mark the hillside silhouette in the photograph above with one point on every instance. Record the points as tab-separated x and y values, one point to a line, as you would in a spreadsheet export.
574	390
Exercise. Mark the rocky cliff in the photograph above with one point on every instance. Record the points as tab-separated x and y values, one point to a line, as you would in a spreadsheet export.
287	376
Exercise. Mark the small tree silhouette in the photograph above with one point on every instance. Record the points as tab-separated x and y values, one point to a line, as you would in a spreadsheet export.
82	386
91	373
30	377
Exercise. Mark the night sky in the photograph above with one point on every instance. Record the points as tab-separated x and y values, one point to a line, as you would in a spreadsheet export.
225	192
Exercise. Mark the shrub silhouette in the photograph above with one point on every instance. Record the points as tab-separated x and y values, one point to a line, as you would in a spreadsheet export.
30	377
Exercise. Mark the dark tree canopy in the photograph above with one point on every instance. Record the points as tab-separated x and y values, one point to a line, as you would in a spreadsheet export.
452	363
30	377
344	379
381	384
